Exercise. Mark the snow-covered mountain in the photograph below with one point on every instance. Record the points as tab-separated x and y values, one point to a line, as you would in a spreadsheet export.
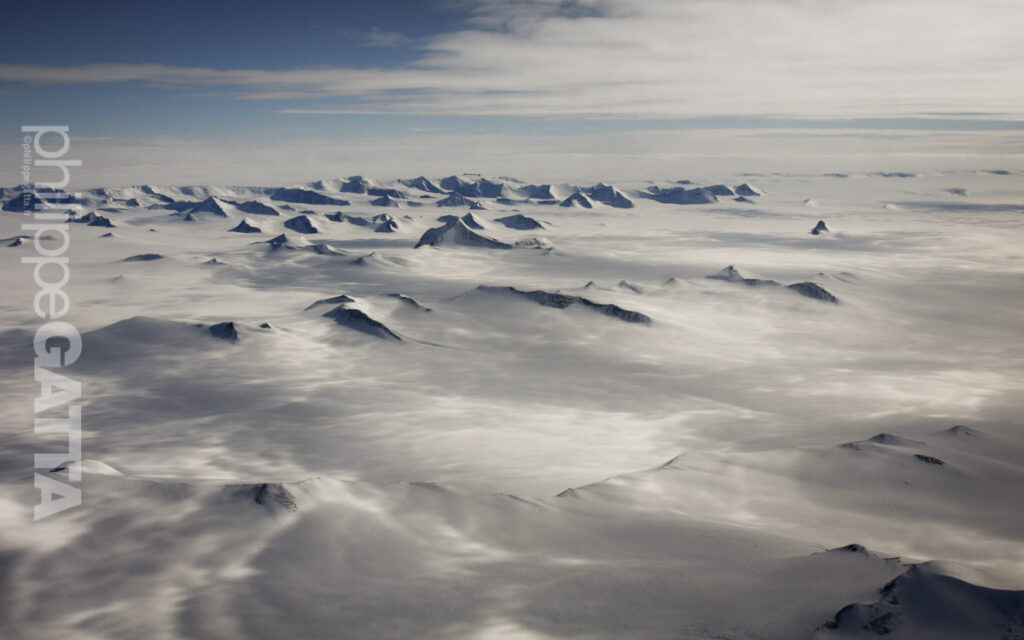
373	408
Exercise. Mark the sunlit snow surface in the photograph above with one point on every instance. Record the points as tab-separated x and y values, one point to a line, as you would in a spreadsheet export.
550	430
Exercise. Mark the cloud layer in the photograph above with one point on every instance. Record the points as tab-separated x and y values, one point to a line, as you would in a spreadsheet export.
660	58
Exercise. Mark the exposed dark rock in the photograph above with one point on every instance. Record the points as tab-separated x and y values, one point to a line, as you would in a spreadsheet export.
578	199
812	290
386	192
520	222
342	299
100	221
455	200
609	195
539	192
385	201
723	190
682	195
561	301
245	227
273	496
224	331
360	321
451	183
257	208
211	205
731	274
410	302
469	219
355	184
457	233
388	226
306	196
301	224
962	430
423	184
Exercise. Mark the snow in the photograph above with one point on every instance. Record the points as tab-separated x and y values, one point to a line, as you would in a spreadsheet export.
301	224
609	195
455	200
143	257
723	190
747	189
385	200
257	207
246	226
361	321
423	184
682	195
93	219
306	196
286	241
562	301
224	331
363	438
732	274
925	603
389	225
577	200
458	233
520	222
813	290
212	205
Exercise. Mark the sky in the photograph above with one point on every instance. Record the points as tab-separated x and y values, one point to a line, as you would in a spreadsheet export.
265	93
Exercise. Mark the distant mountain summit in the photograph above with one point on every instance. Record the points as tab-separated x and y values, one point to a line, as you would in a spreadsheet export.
807	289
455	200
563	301
732	274
284	241
609	195
682	195
257	207
245	226
306	196
520	222
578	200
471	220
458	233
812	290
301	224
211	205
423	184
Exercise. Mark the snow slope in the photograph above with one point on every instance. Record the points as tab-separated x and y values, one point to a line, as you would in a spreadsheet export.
594	439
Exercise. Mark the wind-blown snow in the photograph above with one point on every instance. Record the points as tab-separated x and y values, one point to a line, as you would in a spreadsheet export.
359	438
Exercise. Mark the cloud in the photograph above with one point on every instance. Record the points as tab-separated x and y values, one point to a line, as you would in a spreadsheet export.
660	58
547	155
380	38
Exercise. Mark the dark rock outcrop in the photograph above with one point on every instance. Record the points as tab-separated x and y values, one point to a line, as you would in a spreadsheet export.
562	301
224	331
812	290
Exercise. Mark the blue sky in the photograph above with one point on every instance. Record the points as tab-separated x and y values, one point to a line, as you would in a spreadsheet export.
257	33
451	83
216	35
